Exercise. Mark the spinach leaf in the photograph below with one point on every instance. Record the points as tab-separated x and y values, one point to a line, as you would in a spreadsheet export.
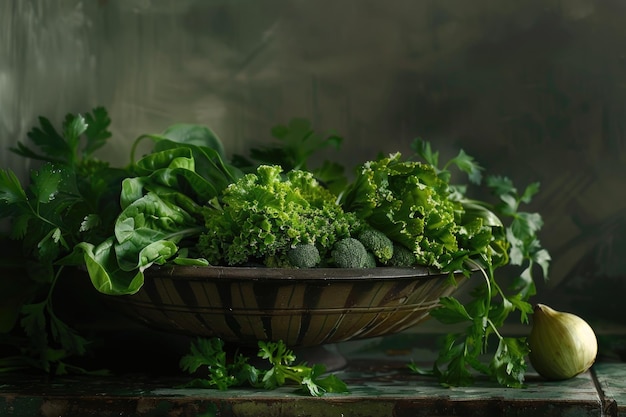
161	206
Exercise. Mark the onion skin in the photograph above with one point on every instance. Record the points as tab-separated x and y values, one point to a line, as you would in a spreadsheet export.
562	345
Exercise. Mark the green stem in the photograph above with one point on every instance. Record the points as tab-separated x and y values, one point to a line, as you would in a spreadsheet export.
495	329
133	149
51	290
488	281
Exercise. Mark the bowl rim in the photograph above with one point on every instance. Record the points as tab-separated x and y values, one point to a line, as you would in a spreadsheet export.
244	273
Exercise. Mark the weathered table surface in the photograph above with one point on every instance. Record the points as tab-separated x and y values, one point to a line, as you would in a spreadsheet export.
376	373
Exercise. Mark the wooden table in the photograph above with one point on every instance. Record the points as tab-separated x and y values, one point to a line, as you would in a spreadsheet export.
376	373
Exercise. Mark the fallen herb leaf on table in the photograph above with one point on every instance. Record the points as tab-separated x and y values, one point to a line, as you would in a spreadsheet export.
207	356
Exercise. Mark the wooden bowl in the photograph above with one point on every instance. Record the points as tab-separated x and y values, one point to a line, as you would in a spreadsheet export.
302	307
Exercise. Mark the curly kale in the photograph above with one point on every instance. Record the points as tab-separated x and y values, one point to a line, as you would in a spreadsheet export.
261	216
410	202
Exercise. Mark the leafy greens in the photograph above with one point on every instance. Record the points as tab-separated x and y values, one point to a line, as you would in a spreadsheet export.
263	215
185	203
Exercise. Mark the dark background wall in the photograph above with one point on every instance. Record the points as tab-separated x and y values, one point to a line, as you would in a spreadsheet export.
535	90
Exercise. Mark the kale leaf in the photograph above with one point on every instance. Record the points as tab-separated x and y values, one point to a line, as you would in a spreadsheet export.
260	217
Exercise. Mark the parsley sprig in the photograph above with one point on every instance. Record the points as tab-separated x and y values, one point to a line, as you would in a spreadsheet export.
515	244
294	145
65	202
207	356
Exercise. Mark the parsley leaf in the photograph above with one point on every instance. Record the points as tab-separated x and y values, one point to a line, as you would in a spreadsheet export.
65	147
46	331
11	192
511	238
508	364
295	144
209	356
221	375
66	200
97	131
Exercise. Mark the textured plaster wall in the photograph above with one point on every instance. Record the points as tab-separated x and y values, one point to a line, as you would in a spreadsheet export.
535	90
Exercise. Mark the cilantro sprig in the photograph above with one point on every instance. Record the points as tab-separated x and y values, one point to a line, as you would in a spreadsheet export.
207	357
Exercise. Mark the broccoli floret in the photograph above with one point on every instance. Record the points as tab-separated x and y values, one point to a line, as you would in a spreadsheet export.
371	261
377	243
402	256
304	255
350	253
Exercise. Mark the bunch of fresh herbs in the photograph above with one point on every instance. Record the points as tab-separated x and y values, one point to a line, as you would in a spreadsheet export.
512	241
78	211
70	198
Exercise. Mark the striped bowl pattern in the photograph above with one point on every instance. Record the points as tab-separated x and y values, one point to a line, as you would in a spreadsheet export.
302	307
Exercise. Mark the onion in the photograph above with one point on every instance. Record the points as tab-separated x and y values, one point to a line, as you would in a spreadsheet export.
562	345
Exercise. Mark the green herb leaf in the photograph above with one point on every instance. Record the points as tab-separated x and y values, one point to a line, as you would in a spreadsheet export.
97	132
47	138
451	311
468	165
11	191
316	385
501	185
45	183
297	142
508	363
423	149
222	374
73	128
492	243
65	147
